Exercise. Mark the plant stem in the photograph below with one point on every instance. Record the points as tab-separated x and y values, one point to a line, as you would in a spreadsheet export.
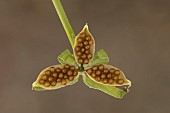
64	20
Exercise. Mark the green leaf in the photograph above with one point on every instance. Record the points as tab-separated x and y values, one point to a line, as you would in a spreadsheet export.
100	57
67	58
110	90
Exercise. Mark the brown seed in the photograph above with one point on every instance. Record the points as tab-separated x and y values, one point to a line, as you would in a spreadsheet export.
117	72
75	73
71	78
63	82
86	61
89	71
87	51
111	81
83	35
58	70
72	68
103	76
50	79
81	45
41	81
60	75
94	68
109	76
52	69
93	75
82	50
89	56
66	66
98	78
80	61
48	72
120	81
79	53
98	72
64	70
112	71
88	37
69	72
58	79
106	71
86	43
77	48
53	83
44	77
55	75
105	81
87	47
101	67
90	42
79	39
65	76
116	77
47	84
83	56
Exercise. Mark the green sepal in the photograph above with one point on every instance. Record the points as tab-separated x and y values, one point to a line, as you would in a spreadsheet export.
37	88
67	58
100	57
110	90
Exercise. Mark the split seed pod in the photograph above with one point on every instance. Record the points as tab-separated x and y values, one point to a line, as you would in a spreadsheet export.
84	47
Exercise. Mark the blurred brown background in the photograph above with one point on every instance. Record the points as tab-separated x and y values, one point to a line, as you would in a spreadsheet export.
135	33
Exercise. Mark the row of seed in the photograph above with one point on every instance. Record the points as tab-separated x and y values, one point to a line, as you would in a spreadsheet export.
82	48
105	75
53	76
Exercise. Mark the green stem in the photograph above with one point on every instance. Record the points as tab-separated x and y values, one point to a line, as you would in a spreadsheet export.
64	20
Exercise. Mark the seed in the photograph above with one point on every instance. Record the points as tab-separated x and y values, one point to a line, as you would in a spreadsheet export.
120	81
89	71
53	83
79	39
109	76
116	77
94	68
44	77
117	72
72	68
63	82
58	70
81	44
90	42
82	35
80	61
112	71
52	69
105	81
75	73
89	56
64	70
87	46
106	71
79	53
70	78
88	37
47	72
86	61
50	79
47	84
98	78
103	76
101	67
41	81
93	75
87	51
58	79
60	75
111	81
65	76
82	50
98	72
69	72
86	43
66	66
83	56
77	48
55	75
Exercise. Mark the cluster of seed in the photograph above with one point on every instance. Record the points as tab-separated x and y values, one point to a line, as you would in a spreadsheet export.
105	75
82	49
54	76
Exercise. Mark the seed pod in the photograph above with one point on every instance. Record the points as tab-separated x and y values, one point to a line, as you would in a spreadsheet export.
55	77
84	47
108	75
